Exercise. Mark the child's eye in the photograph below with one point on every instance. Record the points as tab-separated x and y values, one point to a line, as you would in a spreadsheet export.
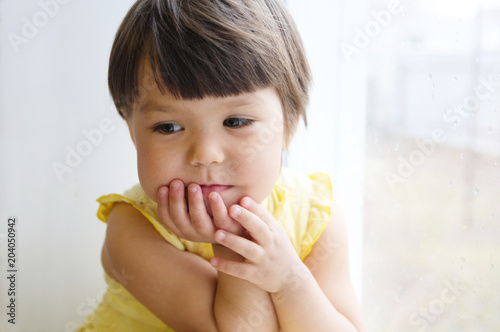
167	128
237	122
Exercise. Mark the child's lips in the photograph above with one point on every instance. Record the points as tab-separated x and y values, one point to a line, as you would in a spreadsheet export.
207	189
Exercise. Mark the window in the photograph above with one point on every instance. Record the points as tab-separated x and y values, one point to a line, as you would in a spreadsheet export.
411	91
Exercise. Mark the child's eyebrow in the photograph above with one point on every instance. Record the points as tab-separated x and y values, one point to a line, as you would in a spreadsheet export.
150	107
239	101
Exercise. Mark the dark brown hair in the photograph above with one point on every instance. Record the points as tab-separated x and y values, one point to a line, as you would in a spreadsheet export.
216	48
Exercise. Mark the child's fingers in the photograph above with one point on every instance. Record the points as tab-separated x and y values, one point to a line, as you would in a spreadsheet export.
244	247
236	269
220	215
163	212
219	211
200	219
257	209
252	223
178	208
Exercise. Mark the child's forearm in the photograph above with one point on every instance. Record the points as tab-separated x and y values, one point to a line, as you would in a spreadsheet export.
239	305
304	307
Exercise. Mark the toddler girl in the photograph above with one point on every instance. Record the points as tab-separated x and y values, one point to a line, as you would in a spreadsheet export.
218	236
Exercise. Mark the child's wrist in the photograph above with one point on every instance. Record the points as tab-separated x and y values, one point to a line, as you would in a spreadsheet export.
300	278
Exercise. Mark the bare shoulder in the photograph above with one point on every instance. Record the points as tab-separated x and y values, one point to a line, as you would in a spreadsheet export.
329	263
177	286
126	226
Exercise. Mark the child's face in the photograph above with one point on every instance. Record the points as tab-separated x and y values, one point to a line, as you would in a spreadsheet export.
231	145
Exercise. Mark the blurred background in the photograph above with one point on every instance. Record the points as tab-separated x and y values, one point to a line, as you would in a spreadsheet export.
432	174
404	113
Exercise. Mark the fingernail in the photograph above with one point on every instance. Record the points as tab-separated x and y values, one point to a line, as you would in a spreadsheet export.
212	197
235	211
175	185
246	202
214	262
193	189
221	236
162	192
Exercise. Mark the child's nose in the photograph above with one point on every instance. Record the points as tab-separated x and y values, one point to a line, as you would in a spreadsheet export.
205	150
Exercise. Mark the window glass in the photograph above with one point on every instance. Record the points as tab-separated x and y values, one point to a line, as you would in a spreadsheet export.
432	175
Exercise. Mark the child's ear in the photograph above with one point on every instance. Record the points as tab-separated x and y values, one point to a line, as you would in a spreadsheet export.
131	135
131	132
285	140
288	134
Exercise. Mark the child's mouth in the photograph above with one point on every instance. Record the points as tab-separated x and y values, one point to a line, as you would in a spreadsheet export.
207	189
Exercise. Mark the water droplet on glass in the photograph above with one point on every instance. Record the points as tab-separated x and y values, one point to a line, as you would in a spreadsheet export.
496	163
463	259
429	77
455	78
461	156
396	148
492	215
490	129
475	191
492	266
450	183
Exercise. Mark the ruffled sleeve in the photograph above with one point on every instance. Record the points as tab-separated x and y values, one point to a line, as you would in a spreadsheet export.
319	211
302	204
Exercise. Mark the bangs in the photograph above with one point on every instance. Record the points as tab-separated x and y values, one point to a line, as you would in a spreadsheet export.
192	64
196	55
210	48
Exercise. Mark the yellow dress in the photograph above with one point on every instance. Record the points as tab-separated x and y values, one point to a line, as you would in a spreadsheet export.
300	203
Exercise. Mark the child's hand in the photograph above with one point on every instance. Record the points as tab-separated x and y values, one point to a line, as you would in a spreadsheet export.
271	262
193	223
